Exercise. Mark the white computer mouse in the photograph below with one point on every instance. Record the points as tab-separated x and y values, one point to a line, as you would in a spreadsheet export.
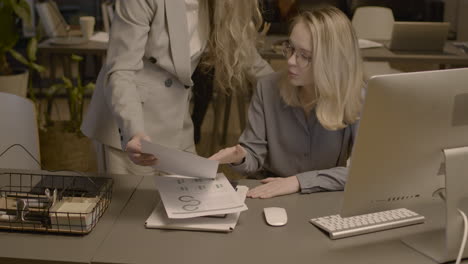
275	216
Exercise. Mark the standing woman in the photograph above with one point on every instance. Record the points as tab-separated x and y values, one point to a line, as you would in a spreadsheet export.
302	124
143	91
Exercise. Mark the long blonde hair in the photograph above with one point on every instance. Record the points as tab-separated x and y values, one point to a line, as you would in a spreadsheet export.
234	26
336	68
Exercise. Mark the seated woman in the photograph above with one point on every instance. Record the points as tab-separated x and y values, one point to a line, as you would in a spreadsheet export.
302	123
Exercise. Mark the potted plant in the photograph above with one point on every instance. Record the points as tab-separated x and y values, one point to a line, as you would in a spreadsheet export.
15	81
63	146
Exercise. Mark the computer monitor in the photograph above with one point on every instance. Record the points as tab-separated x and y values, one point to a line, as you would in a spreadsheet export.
413	130
424	37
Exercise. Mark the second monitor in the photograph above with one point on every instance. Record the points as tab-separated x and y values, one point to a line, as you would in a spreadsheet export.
419	36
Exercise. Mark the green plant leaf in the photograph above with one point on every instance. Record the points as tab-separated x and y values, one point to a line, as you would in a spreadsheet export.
19	57
37	67
68	83
21	9
52	90
32	49
76	57
89	87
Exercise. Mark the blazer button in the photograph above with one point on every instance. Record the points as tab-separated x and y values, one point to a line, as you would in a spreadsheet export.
168	83
153	60
186	86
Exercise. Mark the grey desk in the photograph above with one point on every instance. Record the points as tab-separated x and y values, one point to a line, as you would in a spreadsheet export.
253	241
451	55
16	247
90	47
48	52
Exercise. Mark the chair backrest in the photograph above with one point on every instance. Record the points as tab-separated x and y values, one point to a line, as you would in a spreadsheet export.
373	22
107	10
18	126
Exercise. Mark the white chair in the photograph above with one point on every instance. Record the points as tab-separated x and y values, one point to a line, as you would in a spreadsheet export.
18	126
107	10
375	23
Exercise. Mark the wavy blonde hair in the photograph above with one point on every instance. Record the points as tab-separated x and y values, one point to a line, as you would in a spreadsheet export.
336	68
234	26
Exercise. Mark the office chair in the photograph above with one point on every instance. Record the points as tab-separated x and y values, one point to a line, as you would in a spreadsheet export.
107	11
18	126
375	23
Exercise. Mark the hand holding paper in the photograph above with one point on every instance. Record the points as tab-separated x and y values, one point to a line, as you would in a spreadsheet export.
135	154
179	162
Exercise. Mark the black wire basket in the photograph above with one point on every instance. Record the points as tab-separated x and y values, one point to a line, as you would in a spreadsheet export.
35	202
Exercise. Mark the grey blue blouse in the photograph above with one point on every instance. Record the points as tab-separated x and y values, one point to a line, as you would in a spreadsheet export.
281	141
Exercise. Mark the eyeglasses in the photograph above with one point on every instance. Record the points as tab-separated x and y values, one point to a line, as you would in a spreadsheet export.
302	59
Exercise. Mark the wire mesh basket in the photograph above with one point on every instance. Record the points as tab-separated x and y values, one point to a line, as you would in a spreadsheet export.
52	203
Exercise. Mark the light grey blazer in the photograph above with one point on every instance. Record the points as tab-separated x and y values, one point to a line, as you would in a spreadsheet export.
281	141
145	84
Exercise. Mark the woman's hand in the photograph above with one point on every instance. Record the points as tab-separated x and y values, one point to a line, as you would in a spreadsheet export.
133	150
276	186
230	155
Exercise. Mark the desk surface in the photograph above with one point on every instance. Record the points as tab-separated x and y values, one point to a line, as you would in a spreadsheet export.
451	55
91	47
253	241
45	248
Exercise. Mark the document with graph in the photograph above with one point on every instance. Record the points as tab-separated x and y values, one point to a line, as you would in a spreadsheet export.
226	223
185	197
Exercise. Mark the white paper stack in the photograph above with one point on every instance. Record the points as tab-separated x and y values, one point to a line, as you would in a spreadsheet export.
195	196
188	197
159	219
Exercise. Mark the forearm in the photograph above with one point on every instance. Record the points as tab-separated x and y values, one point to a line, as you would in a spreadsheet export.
333	179
125	54
249	164
125	104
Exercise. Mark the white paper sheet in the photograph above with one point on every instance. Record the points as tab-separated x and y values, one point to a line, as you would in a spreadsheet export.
186	197
100	37
367	44
179	162
159	219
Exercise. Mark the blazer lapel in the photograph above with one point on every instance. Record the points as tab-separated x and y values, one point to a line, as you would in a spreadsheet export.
179	40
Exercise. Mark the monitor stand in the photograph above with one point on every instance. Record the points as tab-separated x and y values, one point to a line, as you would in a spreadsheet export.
443	245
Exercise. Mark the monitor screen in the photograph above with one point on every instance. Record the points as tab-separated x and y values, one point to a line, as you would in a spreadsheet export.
407	121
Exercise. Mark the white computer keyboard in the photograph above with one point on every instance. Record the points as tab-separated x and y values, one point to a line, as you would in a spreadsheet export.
338	227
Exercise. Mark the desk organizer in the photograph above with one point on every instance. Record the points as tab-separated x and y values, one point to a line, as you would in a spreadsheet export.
52	203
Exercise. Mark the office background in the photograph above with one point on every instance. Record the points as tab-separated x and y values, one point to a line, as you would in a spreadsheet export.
226	129
120	237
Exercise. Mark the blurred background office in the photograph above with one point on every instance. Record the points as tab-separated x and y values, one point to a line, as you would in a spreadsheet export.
51	92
